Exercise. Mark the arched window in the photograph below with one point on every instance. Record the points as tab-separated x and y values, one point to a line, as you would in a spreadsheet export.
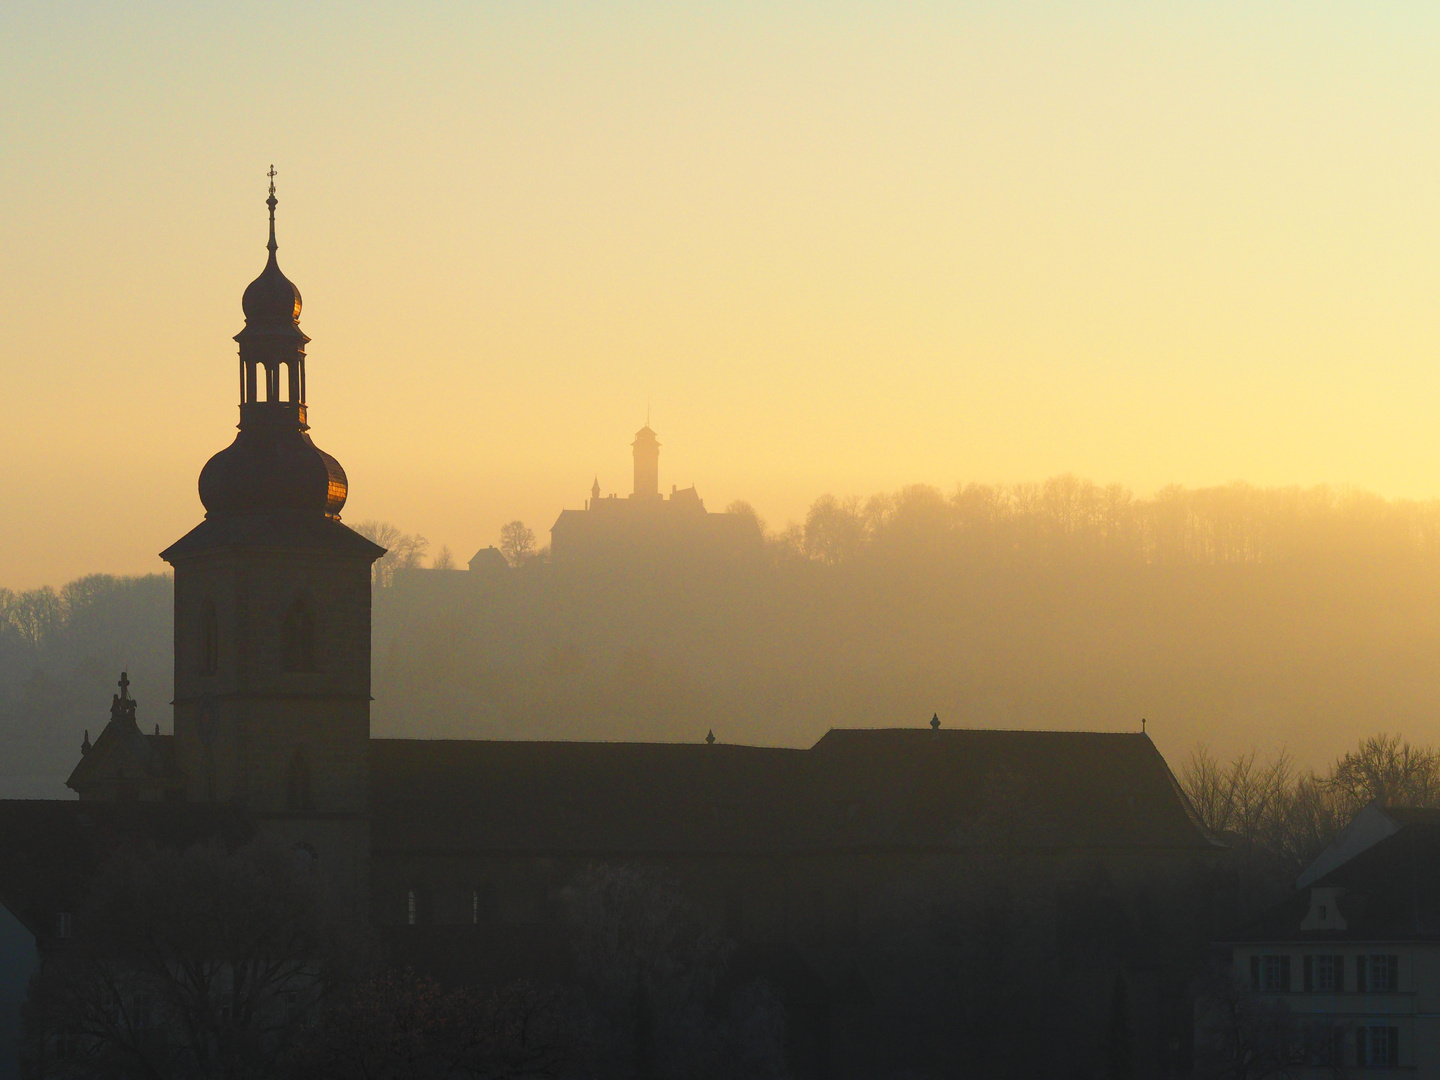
412	908
297	782
209	639
299	638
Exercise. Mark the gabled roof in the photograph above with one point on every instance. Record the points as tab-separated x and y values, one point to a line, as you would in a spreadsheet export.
883	789
1388	892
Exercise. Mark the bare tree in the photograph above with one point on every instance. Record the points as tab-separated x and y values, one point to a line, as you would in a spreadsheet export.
517	543
195	964
400	1026
652	970
403	551
1242	1036
445	560
1390	770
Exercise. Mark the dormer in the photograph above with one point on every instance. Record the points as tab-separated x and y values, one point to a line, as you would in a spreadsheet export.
1324	913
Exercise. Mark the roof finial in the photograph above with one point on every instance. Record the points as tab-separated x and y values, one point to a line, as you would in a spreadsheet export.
710	737
124	685
935	722
1142	725
270	202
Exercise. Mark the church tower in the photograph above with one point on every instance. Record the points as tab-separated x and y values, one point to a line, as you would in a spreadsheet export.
272	606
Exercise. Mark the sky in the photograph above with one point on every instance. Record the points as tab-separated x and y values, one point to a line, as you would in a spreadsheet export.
833	247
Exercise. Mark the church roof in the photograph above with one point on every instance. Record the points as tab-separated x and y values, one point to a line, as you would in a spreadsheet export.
880	789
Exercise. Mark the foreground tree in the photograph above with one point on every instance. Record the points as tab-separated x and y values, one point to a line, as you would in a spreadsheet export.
653	975
400	1026
201	963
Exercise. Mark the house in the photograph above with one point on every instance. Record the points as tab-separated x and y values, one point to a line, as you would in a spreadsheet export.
1353	957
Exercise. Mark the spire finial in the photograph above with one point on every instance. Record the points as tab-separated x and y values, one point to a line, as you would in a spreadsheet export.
270	202
124	685
935	722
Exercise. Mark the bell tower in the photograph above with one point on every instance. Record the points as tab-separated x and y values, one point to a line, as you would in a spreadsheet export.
272	603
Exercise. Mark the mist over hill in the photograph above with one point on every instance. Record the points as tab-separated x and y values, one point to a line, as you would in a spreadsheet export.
1234	616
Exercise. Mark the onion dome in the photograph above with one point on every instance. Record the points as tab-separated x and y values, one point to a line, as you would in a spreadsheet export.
272	466
272	470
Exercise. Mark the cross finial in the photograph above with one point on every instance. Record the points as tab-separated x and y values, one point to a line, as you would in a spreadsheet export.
271	202
124	686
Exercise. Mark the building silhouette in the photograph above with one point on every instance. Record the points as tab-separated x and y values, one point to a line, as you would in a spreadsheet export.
865	877
646	528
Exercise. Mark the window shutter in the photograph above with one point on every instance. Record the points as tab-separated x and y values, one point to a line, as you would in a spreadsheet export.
1254	973
1360	1054
1309	974
1360	974
1393	962
1394	1039
1285	973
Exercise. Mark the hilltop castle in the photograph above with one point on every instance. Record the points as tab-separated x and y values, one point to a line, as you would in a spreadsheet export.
647	526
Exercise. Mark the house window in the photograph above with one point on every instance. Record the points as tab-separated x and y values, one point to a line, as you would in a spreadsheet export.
209	639
298	639
1270	973
63	924
1377	973
1377	1045
411	908
1324	974
1325	1044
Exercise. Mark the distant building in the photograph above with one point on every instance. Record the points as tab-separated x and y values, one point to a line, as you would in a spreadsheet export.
1352	959
647	527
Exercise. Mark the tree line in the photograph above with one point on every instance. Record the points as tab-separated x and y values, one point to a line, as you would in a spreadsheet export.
1070	518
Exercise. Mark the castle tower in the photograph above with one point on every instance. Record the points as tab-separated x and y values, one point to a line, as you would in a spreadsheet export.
272	602
647	464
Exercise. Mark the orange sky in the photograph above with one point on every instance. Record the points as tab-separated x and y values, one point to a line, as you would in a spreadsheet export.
832	247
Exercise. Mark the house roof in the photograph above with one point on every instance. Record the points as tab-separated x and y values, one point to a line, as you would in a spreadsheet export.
1388	892
887	788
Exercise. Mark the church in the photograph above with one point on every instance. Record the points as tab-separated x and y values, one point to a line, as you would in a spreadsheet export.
887	882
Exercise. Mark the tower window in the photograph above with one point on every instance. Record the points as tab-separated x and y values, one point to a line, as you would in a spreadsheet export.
209	639
299	638
411	908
